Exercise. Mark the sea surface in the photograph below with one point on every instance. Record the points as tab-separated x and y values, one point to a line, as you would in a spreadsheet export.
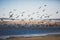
27	30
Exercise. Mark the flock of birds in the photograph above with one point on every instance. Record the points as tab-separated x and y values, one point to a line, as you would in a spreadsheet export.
11	15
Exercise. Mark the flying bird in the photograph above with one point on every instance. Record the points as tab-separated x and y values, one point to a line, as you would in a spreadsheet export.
41	17
45	5
37	12
31	18
22	15
11	16
37	16
14	9
57	12
43	10
17	16
33	13
47	16
29	15
39	8
10	12
23	12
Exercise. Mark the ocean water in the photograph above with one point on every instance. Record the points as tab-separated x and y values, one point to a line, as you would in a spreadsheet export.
27	30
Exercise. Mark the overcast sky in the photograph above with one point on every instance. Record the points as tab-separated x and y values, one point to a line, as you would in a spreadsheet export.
30	7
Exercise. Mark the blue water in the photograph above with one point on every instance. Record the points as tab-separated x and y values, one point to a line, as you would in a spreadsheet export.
6	30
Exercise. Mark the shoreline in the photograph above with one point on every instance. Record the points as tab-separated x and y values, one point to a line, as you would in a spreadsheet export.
28	35
46	37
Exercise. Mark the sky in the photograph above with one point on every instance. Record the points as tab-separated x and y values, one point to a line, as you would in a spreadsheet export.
17	7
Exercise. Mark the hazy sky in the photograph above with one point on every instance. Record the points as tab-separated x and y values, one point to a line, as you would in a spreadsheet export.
30	6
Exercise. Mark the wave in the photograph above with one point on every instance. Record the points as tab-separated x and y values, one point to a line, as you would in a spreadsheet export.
27	35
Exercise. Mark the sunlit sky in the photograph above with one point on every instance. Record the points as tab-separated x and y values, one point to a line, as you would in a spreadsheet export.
30	7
